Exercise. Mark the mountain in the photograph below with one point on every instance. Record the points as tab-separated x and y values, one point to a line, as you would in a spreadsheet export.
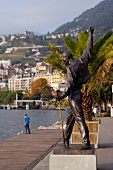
100	17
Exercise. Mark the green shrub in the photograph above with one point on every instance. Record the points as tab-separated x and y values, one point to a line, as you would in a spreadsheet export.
106	114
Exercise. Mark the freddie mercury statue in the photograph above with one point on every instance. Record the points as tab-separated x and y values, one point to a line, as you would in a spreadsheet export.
77	75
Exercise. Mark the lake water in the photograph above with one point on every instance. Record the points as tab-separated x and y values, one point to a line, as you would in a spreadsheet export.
11	121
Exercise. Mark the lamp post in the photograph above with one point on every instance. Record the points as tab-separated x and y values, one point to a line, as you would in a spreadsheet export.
112	103
16	100
112	94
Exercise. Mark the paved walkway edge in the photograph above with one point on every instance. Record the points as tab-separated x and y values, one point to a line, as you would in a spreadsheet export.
33	164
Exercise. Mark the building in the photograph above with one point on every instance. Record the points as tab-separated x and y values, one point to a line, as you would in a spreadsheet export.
3	37
42	70
62	85
19	70
6	63
22	84
3	85
9	50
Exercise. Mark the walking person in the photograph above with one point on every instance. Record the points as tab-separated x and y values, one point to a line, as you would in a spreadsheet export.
26	123
95	111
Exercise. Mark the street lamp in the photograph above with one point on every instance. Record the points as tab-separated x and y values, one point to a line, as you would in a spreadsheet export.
112	103
112	94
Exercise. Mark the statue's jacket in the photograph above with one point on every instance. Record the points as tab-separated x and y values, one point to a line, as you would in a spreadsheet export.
77	71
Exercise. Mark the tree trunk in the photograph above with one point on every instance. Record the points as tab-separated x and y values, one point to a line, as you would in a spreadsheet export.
87	105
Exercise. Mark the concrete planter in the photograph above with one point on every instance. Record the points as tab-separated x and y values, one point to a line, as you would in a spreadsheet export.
93	127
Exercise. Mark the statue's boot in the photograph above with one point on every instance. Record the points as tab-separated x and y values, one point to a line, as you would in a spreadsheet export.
85	147
66	143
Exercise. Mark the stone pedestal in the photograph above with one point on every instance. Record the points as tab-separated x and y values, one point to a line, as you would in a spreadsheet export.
72	158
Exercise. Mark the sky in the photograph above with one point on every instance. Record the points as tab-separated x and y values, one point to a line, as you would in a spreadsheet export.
39	16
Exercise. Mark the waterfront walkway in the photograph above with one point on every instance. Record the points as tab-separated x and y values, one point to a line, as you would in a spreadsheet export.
32	151
25	151
105	150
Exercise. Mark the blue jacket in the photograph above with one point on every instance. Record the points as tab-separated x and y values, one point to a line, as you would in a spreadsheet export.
26	120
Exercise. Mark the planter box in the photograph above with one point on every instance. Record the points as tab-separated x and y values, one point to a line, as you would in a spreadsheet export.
93	127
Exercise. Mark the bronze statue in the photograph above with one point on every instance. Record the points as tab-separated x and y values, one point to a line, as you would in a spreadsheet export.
77	74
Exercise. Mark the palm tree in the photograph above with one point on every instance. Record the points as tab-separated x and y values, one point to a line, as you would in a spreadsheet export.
54	58
101	61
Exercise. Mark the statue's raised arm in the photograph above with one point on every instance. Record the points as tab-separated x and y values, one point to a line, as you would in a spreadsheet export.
89	48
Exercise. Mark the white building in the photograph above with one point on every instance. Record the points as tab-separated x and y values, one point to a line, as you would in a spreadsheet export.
23	81
9	50
5	62
23	84
3	86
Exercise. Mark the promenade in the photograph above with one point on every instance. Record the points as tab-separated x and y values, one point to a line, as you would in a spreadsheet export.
24	151
105	150
32	151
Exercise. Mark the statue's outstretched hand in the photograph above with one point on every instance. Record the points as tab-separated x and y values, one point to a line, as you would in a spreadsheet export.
59	98
91	29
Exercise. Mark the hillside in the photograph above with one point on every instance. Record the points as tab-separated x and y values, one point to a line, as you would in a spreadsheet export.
100	17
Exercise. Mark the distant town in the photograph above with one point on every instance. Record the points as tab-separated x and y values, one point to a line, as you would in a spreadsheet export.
15	76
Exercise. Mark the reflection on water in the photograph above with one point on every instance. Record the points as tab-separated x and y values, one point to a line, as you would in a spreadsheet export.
11	121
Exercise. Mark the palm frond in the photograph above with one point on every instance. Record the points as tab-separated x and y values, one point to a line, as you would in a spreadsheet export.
104	53
101	73
53	48
76	47
70	44
82	41
55	60
100	43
